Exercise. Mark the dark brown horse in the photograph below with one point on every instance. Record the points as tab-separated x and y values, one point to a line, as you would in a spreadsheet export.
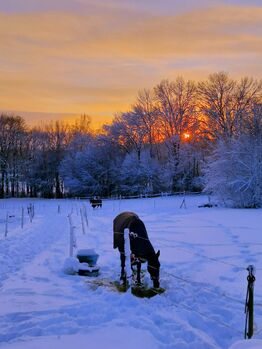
140	246
95	202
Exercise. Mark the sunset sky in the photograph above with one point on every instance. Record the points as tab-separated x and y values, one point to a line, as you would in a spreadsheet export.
69	57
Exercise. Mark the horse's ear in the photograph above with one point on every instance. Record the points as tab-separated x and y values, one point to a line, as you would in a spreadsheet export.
158	253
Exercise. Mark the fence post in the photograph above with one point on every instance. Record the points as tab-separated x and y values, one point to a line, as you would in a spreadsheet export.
82	221
183	204
71	236
85	215
30	212
249	307
6	225
72	241
22	218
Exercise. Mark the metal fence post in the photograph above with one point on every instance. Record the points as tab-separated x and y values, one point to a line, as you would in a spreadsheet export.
249	307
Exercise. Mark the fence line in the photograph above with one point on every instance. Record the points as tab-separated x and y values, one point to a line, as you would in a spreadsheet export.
196	253
203	287
210	291
193	282
209	258
139	196
206	316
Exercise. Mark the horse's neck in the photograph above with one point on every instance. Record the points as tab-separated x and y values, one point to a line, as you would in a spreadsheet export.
150	259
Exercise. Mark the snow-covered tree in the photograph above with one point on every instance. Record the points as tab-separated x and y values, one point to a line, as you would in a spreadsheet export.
80	173
141	176
234	172
12	151
226	104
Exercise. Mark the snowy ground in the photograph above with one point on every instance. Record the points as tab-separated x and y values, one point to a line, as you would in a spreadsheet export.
204	254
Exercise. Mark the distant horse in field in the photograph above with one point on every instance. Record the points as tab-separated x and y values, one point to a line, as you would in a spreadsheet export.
95	202
140	246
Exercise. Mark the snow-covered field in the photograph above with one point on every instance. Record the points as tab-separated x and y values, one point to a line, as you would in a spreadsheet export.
204	255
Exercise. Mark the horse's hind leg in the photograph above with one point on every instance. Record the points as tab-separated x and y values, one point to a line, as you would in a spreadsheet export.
123	270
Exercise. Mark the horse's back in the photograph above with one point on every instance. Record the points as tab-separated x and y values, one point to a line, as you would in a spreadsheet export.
95	202
120	223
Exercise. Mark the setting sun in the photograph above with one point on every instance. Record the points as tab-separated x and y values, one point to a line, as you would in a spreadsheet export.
186	136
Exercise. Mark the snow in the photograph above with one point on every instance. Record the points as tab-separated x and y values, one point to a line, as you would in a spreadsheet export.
204	256
103	338
251	344
71	265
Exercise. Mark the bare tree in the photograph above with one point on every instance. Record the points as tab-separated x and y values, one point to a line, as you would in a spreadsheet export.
12	136
177	116
146	112
226	104
176	104
127	129
58	139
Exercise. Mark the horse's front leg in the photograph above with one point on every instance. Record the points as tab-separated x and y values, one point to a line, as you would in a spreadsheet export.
138	277
135	262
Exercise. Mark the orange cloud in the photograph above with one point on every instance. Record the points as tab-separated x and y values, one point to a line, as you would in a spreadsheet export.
95	62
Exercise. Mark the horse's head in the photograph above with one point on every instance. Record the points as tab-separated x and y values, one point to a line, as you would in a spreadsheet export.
153	267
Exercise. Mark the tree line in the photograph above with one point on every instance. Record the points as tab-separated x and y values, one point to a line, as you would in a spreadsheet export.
178	136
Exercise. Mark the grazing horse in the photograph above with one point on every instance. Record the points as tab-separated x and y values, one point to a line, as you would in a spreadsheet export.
140	246
95	202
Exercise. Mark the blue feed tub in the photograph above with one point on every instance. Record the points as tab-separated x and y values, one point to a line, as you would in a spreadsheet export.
88	256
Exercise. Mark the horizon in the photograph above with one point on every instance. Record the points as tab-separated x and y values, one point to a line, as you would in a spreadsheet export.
78	57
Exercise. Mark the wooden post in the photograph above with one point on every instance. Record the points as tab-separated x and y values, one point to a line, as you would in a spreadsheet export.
77	209
119	202
82	221
71	236
70	219
183	204
30	212
22	218
85	215
6	225
71	242
249	307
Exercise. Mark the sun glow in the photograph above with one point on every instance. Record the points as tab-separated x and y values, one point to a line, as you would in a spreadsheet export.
186	136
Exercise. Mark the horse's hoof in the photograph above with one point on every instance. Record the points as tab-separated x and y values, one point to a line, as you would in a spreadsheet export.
138	284
124	280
